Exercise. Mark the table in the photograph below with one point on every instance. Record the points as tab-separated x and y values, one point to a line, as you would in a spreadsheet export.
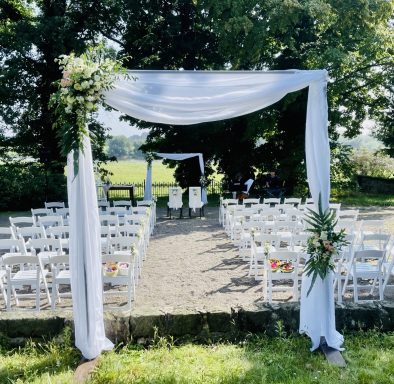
129	188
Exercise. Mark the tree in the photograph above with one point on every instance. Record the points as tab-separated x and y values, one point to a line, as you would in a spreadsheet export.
352	39
32	35
120	147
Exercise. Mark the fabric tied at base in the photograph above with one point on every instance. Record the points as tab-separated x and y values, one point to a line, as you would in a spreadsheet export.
317	312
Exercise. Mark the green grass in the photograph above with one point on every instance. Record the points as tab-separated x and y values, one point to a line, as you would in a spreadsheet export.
361	199
134	171
261	359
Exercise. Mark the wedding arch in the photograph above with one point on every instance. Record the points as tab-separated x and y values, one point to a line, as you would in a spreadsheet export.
191	97
178	157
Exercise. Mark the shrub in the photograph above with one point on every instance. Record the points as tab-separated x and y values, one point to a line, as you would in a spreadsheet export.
25	185
368	163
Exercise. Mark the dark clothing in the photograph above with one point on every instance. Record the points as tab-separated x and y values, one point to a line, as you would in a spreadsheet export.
273	181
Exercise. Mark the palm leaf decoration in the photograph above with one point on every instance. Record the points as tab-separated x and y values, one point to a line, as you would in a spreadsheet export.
323	243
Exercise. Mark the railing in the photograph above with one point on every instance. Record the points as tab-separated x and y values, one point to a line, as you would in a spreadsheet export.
158	189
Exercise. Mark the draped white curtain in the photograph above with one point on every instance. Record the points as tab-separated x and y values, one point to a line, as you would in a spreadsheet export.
174	156
85	254
192	97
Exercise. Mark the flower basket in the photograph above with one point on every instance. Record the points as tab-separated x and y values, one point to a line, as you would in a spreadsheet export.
123	269
287	267
275	264
110	269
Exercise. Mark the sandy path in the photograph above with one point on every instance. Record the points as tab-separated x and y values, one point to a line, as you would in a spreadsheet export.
192	265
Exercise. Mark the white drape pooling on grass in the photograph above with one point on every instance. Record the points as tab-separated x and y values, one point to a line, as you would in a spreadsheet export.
191	97
178	157
85	254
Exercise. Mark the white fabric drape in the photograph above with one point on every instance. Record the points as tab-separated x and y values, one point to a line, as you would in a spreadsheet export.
191	97
148	182
85	254
184	156
317	312
179	157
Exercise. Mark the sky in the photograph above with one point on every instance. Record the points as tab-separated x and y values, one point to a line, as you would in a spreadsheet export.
111	119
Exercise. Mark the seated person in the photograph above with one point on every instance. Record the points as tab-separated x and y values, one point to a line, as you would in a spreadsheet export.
273	184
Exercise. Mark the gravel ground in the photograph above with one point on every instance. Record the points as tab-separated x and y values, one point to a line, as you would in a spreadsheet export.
192	265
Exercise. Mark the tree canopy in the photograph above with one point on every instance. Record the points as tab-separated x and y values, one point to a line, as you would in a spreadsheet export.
352	39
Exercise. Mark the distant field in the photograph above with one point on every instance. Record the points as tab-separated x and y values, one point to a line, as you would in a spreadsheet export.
134	171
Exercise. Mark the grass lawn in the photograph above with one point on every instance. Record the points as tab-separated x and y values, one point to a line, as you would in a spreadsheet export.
256	360
134	171
361	199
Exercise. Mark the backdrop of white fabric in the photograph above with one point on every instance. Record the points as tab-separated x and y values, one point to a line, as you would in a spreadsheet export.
191	97
178	157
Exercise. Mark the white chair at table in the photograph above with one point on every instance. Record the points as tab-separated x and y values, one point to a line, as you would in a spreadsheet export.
195	201
174	200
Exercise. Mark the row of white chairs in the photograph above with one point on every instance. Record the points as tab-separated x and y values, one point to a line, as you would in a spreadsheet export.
46	254
355	266
243	223
41	260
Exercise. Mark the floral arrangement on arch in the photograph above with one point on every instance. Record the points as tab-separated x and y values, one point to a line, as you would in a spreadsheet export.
80	91
323	244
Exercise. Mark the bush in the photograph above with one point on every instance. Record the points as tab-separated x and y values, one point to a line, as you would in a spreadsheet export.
26	185
368	163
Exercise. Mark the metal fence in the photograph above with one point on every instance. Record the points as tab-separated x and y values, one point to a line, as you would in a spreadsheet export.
158	189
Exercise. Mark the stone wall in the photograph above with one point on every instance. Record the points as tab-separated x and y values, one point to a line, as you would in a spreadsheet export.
376	185
201	326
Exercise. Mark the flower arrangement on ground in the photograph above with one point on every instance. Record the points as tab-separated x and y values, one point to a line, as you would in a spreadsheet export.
85	78
323	244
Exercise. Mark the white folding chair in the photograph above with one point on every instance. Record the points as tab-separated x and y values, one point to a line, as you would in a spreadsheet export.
61	232
123	275
388	266
120	212
60	276
250	201
128	245
27	233
40	212
7	233
45	248
50	221
23	271
22	221
9	247
174	200
64	212
348	214
122	203
377	241
195	201
283	269
103	205
271	201
54	204
261	246
292	200
366	266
